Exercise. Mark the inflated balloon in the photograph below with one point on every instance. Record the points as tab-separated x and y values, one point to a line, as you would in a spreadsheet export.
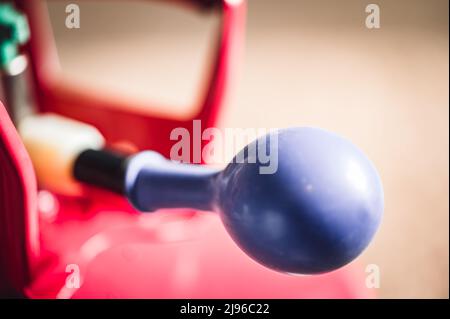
315	213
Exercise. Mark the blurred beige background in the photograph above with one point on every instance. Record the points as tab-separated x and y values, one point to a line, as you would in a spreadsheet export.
306	63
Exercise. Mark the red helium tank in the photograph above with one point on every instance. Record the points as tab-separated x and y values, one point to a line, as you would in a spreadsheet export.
96	245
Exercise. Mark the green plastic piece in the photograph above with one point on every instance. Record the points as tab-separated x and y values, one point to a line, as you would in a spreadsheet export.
14	31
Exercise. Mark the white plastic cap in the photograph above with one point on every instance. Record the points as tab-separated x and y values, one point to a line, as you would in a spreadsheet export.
54	142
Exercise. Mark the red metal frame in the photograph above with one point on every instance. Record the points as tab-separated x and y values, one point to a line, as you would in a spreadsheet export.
114	118
119	252
19	241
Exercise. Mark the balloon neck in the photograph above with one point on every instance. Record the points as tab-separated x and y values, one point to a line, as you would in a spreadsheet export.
153	182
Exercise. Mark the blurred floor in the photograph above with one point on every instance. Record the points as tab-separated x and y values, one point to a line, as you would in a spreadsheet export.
309	63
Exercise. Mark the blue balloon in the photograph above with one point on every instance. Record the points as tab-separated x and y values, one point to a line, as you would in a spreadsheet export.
301	200
317	212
